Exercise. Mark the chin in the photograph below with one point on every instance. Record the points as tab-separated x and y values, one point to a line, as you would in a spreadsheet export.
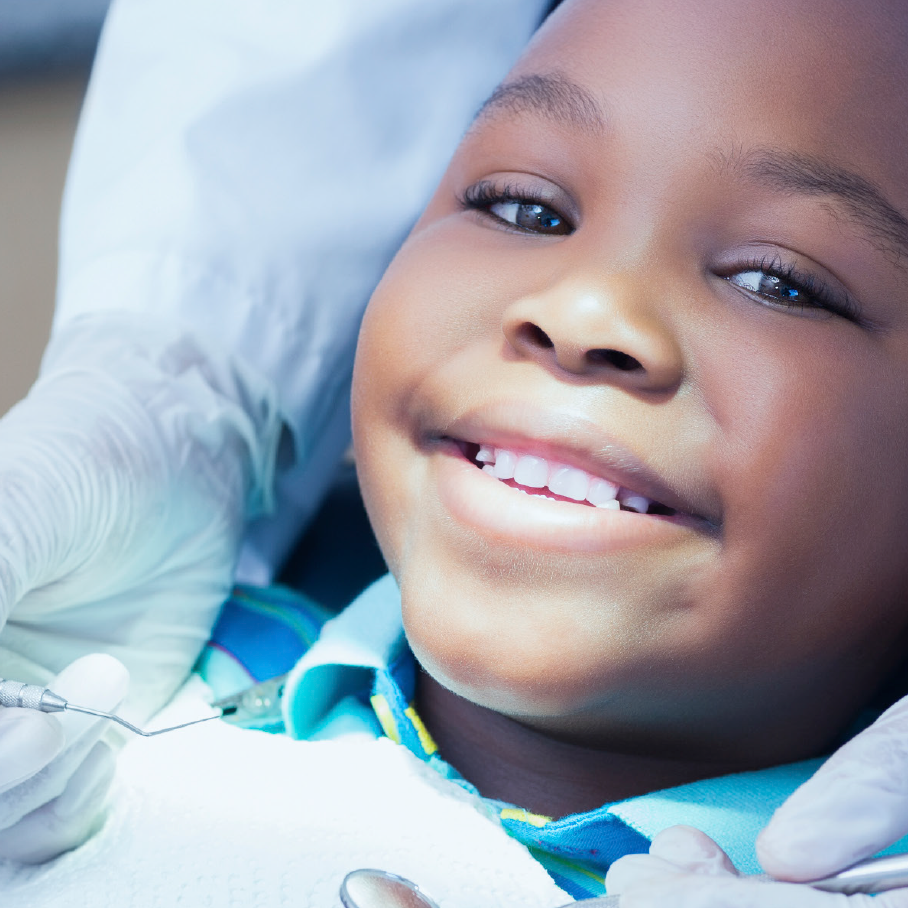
507	674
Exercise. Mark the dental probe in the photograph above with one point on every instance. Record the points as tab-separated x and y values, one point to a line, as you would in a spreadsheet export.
32	696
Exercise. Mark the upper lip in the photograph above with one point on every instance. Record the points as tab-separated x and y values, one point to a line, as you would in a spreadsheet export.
574	440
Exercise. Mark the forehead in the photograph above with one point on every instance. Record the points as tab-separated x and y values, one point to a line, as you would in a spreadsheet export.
821	80
849	46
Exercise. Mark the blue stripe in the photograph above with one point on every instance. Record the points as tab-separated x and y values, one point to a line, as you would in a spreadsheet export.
267	632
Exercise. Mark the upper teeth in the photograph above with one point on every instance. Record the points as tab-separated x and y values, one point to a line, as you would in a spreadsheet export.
536	473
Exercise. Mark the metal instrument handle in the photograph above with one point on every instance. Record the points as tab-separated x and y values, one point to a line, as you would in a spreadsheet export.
18	694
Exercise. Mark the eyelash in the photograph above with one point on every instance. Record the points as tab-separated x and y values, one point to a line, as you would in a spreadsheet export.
818	294
481	196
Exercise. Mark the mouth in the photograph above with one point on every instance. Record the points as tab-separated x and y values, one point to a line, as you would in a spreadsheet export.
540	477
550	479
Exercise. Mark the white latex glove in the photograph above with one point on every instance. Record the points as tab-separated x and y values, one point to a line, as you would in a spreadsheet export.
687	869
55	769
126	477
855	805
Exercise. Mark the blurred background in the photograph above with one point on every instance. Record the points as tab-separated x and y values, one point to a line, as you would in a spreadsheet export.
46	48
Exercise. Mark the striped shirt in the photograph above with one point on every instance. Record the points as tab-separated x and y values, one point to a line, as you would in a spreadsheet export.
355	672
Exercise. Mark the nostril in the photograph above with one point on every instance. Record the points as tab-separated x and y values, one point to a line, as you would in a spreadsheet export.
616	358
536	336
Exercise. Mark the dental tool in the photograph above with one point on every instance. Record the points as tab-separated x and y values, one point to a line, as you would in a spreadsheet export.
869	876
33	696
369	888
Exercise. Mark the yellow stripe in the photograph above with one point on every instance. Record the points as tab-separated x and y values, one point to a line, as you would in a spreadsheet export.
428	745
524	816
386	717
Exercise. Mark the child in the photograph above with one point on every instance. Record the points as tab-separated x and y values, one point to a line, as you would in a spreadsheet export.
629	422
665	268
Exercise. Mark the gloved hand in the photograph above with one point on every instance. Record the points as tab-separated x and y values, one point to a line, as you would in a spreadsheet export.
854	806
55	769
686	869
126	477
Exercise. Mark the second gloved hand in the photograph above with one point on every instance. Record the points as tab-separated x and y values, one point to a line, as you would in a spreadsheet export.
126	478
687	869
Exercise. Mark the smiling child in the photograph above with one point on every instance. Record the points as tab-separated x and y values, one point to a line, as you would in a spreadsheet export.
630	421
630	410
630	402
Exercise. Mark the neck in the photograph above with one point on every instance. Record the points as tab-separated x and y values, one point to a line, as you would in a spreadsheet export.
509	761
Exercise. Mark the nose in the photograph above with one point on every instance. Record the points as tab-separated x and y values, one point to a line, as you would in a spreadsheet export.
604	333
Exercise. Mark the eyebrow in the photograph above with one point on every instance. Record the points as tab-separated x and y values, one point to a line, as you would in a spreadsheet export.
558	98
553	96
804	175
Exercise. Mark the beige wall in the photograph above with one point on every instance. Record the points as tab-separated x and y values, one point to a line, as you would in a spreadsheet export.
37	122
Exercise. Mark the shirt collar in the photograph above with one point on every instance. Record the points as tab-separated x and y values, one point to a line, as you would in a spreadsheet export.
362	651
366	637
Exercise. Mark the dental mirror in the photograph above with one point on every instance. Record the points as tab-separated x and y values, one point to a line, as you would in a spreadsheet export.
379	889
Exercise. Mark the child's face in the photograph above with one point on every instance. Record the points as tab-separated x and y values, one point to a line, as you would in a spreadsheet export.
709	307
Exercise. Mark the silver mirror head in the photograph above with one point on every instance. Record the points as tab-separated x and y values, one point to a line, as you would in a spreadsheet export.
379	889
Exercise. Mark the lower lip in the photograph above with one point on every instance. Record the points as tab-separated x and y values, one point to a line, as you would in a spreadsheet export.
503	514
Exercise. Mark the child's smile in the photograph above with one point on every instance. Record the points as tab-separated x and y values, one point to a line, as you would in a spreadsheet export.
556	481
668	257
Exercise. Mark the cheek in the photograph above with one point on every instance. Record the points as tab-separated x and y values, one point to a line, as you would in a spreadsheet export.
441	283
417	320
811	455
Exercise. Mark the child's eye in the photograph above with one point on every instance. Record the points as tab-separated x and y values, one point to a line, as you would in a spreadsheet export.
772	286
783	285
530	216
522	209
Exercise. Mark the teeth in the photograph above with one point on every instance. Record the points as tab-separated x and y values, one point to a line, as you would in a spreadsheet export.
601	492
636	503
568	482
531	471
505	462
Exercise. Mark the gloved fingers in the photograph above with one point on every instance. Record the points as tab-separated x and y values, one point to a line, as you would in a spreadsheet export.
693	850
674	853
29	740
69	819
855	805
691	890
634	870
97	680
